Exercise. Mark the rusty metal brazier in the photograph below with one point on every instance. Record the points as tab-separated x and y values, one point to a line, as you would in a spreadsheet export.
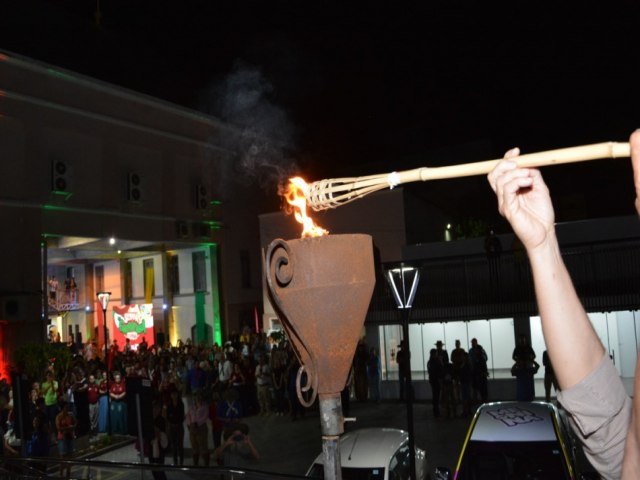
320	288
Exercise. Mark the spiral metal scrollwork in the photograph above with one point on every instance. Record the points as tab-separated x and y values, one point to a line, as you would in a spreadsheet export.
301	389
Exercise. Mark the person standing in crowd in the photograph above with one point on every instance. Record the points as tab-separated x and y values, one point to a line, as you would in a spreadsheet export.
50	392
373	374
175	417
65	425
216	424
53	289
73	289
457	360
361	386
442	353
38	444
448	398
128	348
549	377
224	372
93	397
39	411
159	443
81	402
603	416
118	392
229	410
464	376
103	402
197	417
479	371
404	362
524	369
263	383
435	369
279	382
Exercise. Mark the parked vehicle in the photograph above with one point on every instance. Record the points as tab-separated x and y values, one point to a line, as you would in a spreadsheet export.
375	454
516	440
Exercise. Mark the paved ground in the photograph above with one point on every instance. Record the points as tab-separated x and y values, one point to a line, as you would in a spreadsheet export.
290	447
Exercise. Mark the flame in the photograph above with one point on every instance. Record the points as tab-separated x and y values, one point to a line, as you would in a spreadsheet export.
295	195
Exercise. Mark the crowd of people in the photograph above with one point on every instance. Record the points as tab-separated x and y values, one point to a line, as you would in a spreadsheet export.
459	381
194	390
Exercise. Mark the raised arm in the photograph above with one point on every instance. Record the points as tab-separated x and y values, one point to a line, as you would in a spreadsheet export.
523	199
631	462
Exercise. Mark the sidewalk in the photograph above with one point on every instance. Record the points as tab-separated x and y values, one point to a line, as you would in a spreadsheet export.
289	447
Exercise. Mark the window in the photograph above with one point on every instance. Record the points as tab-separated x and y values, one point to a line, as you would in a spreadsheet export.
174	274
99	278
199	271
149	284
494	335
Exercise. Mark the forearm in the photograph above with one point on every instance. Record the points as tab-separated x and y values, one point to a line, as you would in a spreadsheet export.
573	346
631	459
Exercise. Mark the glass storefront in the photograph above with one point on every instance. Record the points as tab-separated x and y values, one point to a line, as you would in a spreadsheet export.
495	336
618	331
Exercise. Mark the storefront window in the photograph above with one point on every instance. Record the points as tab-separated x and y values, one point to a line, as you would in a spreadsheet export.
495	336
618	331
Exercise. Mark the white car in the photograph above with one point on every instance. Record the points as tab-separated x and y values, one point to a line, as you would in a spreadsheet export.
375	454
517	440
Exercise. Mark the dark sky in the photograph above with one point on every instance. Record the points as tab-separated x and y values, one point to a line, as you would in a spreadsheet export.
380	84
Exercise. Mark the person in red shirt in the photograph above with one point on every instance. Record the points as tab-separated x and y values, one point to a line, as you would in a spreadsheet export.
118	392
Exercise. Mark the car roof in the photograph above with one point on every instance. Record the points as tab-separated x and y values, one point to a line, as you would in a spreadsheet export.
369	447
515	422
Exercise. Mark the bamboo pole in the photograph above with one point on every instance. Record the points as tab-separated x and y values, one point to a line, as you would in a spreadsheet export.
331	193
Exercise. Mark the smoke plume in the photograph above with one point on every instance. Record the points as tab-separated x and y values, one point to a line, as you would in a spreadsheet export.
265	135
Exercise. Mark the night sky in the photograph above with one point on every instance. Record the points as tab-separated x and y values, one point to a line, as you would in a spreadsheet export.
368	87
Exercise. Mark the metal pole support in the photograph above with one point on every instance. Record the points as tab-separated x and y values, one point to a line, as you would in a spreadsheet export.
332	426
409	396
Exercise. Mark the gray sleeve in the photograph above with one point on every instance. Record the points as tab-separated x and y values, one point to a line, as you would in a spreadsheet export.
600	412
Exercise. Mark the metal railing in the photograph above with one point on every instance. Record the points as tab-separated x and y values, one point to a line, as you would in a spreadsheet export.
12	468
469	287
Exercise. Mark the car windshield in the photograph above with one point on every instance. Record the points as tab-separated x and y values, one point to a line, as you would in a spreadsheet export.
317	471
513	461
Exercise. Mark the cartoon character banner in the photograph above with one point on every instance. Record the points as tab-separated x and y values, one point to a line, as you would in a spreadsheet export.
133	322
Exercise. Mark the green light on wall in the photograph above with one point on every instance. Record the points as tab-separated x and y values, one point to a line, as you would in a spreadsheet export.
215	294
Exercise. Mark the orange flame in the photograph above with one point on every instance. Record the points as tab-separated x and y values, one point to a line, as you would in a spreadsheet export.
295	195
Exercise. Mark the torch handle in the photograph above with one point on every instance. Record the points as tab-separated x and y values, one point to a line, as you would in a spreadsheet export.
540	159
334	192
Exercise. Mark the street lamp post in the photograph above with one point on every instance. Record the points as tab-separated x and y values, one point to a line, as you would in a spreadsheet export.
403	281
103	298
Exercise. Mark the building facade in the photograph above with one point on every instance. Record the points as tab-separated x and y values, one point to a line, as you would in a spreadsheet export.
103	189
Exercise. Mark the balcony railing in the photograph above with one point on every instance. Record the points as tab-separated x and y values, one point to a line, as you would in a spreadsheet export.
606	276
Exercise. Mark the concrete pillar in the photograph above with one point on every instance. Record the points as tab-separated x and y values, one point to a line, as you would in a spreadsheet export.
522	326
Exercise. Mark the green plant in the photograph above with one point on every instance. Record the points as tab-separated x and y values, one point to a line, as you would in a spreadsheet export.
34	358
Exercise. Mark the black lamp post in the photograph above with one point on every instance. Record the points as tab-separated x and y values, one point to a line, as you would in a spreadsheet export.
403	281
103	298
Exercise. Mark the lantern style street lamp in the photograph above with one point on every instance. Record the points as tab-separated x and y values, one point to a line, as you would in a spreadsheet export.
103	298
403	281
